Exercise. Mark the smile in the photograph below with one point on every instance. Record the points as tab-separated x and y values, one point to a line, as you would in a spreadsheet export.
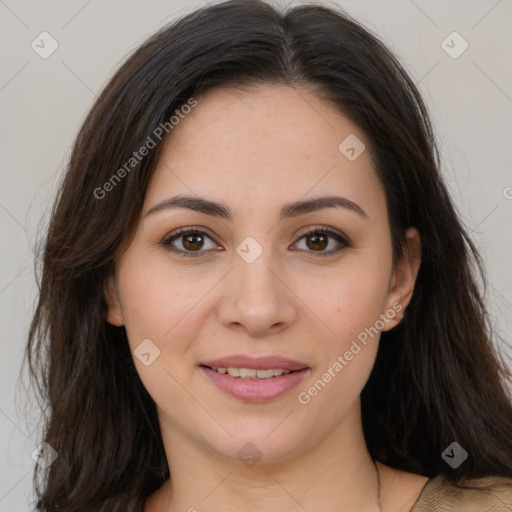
246	384
251	373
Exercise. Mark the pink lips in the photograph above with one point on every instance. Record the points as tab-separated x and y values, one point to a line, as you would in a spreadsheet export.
255	390
263	363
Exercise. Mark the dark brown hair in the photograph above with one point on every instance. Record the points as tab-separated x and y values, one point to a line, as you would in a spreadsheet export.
437	378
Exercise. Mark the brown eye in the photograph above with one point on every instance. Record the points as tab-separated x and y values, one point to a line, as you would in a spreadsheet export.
193	242
317	241
188	242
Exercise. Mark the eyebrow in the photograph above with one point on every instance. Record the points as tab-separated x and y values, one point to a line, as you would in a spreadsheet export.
289	210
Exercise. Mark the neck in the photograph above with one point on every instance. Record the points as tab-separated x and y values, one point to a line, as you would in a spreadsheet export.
338	474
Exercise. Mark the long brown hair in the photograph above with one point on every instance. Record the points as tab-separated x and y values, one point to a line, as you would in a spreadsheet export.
437	377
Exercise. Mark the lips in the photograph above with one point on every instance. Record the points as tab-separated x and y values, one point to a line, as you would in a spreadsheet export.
256	363
255	389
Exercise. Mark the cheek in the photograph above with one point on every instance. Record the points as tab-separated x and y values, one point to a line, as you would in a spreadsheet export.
153	299
166	307
159	307
350	308
350	301
151	304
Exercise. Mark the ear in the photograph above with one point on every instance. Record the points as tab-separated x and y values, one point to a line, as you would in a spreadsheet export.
404	277
115	313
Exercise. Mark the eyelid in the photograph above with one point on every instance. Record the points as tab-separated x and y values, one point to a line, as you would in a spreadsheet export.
323	229
341	238
188	229
177	233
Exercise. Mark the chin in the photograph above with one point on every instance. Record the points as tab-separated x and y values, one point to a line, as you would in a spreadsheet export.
259	445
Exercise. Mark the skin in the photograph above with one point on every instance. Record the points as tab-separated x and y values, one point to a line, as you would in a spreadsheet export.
255	150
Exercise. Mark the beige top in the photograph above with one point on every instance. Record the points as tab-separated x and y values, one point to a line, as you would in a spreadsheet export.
493	494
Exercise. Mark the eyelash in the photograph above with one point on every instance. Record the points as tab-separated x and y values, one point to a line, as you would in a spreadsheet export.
167	241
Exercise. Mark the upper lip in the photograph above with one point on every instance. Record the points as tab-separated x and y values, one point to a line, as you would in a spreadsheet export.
263	363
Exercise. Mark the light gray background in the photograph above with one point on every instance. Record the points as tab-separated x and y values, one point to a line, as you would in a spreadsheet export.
43	102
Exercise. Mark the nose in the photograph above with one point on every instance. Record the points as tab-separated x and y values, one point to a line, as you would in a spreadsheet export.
257	298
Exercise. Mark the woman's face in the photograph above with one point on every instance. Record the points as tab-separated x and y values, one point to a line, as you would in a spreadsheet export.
250	281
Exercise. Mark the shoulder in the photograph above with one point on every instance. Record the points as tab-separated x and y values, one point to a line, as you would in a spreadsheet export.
487	494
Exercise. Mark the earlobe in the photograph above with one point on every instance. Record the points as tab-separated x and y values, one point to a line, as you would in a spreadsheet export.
115	314
404	277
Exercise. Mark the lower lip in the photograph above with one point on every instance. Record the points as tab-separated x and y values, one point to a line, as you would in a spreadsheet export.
255	390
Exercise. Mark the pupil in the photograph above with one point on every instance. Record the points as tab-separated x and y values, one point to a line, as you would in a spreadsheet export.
194	243
323	244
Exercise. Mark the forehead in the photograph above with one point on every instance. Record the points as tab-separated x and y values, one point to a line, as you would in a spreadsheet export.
264	146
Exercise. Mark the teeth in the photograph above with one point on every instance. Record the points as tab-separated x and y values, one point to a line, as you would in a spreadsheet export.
245	373
264	374
251	373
